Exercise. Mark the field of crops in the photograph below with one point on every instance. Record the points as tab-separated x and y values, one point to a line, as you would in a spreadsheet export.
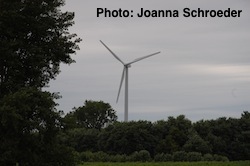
234	163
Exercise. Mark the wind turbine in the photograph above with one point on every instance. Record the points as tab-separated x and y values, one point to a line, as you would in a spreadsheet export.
125	74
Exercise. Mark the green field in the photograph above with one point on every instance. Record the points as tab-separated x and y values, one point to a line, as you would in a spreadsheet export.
233	163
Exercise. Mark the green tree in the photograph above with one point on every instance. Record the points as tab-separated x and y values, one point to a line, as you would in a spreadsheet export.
203	127
196	144
34	40
227	136
178	132
29	124
160	131
80	139
127	137
70	121
95	115
244	137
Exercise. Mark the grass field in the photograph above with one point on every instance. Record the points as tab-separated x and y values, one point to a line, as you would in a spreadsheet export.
233	163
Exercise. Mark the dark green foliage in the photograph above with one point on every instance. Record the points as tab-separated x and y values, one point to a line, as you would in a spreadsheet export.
220	158
196	144
133	157
227	136
178	129
159	157
243	142
172	134
29	125
70	121
102	157
208	157
119	158
162	157
202	163
163	140
123	138
142	156
93	115
194	156
80	139
129	137
180	156
86	156
34	40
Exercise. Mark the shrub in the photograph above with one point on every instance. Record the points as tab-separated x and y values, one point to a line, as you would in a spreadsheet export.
194	156
159	157
220	158
163	157
86	156
208	157
133	156
118	158
101	157
168	157
180	156
142	156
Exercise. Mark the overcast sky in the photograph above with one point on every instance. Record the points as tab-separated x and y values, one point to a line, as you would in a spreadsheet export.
203	70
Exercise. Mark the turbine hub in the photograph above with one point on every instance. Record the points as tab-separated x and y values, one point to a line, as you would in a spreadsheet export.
128	66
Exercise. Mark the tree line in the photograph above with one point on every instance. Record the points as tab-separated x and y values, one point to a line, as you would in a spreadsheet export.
163	140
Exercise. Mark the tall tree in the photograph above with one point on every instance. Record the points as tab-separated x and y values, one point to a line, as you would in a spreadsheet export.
34	40
178	132
29	124
196	144
94	114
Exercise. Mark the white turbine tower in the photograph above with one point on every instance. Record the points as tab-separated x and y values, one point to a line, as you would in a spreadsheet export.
125	74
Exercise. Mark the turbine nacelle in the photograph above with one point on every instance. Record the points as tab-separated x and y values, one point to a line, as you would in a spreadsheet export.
127	66
125	75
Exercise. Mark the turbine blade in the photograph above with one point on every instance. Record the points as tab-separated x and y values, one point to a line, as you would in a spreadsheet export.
113	53
138	59
122	78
